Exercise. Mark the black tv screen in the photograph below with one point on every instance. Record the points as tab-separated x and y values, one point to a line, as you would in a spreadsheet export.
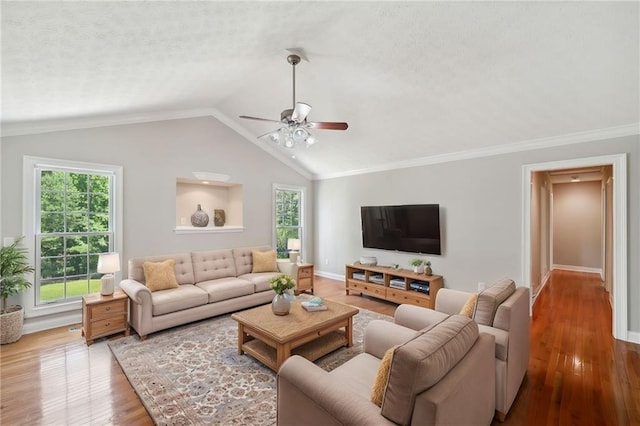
411	228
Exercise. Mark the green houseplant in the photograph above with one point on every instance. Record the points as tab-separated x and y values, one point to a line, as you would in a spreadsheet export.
416	263
14	264
427	268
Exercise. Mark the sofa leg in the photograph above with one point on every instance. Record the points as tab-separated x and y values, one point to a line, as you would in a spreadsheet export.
500	416
143	337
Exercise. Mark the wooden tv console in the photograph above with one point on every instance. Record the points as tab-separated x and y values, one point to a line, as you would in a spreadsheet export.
376	281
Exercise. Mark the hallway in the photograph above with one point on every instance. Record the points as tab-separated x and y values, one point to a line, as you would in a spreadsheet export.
578	374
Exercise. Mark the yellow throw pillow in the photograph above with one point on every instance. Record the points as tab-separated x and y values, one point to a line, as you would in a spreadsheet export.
160	275
469	306
264	261
382	376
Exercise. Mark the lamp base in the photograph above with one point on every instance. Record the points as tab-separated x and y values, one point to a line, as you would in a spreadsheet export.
293	256
106	285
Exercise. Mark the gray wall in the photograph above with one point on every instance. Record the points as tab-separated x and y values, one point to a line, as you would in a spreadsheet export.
577	225
153	155
481	214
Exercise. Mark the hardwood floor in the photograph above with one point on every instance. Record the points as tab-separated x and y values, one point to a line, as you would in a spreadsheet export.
578	374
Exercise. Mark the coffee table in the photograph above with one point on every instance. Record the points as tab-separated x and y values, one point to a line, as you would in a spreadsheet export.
271	339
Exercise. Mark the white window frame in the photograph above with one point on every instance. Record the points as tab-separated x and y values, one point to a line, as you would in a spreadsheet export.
31	193
301	226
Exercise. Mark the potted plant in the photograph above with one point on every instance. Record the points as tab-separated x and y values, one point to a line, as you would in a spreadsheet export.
417	265
427	269
280	284
13	265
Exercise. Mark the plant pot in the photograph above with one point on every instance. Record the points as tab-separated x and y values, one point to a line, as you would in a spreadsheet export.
418	269
11	324
428	271
281	304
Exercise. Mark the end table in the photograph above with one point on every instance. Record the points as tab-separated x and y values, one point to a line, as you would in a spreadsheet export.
104	315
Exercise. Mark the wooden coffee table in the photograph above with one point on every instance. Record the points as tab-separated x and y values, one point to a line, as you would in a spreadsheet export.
271	339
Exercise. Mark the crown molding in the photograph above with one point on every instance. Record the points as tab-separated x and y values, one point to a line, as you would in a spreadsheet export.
46	126
533	144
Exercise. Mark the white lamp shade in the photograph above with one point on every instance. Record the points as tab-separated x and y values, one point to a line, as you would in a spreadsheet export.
108	263
293	244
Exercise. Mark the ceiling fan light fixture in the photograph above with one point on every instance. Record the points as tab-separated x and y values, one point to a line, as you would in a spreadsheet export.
289	143
300	135
310	140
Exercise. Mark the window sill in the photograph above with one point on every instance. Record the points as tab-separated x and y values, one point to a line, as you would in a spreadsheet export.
207	229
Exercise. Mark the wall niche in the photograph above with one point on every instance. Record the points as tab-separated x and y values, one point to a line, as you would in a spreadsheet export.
211	195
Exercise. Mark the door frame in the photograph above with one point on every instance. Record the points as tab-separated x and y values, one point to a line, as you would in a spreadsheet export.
620	287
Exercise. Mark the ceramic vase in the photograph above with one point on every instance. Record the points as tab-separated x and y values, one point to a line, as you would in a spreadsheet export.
281	305
200	218
428	271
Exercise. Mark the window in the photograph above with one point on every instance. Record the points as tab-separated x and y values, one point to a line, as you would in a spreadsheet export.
288	208
74	220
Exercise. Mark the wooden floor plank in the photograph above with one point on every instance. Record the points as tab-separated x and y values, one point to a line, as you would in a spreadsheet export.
578	374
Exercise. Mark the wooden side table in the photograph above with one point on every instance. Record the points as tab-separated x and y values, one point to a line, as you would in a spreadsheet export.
304	277
104	315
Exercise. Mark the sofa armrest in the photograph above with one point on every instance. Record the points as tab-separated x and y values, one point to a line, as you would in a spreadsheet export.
309	395
140	308
416	317
381	335
137	292
451	301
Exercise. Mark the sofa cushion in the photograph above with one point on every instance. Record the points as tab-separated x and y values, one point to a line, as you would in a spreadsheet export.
183	267
177	299
469	306
382	376
226	288
213	264
260	280
244	260
422	361
160	275
264	261
490	299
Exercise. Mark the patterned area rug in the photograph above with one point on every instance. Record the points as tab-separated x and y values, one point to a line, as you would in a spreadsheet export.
193	375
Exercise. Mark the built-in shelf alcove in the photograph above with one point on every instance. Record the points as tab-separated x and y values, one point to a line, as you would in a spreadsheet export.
211	195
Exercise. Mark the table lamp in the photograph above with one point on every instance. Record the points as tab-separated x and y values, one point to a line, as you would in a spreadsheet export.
108	263
293	245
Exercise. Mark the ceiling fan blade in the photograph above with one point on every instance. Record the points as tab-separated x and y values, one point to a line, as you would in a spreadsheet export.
327	125
259	119
300	112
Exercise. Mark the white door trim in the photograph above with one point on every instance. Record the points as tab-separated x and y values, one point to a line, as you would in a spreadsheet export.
620	284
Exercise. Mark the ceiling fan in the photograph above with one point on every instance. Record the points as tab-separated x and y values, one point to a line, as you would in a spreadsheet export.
295	128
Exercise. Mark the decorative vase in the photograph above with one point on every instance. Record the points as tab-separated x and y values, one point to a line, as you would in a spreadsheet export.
417	269
428	271
281	305
11	324
199	218
219	217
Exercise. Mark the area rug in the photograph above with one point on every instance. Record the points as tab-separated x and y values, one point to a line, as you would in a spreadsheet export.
193	375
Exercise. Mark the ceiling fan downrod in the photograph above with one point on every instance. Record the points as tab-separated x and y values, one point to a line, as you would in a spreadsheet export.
294	60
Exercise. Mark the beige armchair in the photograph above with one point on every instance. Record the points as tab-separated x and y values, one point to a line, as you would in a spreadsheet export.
443	374
502	310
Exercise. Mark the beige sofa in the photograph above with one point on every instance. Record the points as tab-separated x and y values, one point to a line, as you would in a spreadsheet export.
443	374
502	310
210	283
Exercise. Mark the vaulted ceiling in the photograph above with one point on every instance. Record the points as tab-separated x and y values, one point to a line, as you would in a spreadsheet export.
414	80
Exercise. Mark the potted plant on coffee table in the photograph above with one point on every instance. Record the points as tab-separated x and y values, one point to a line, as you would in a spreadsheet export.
13	266
280	284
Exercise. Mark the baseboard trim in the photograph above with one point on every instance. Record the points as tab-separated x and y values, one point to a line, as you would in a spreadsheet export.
330	275
633	337
47	322
578	269
545	281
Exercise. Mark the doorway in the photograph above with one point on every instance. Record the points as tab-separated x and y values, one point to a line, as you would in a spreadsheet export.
618	259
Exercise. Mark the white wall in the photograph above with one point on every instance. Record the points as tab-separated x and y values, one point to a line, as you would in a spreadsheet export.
481	214
577	226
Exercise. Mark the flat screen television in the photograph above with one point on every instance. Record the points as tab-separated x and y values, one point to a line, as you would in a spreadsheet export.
411	228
